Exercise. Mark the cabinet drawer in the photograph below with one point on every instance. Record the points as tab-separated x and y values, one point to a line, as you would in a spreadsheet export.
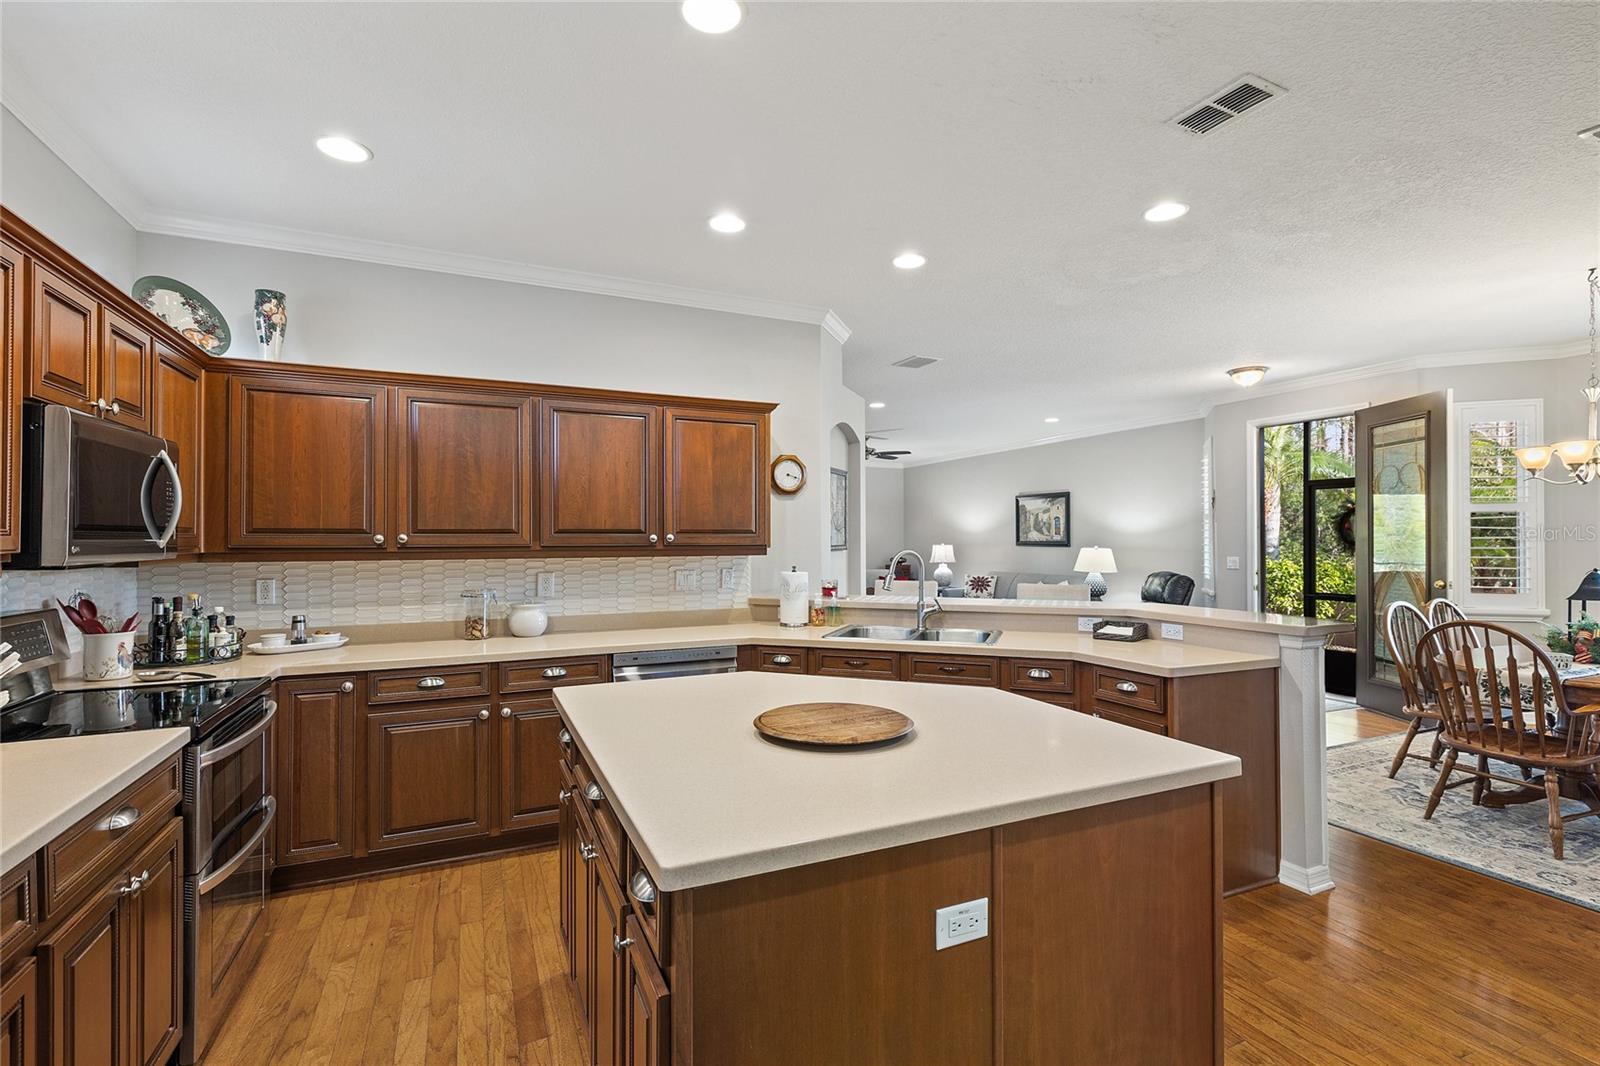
651	906
608	831
1140	691
1147	722
1038	675
856	664
441	683
541	675
781	660
952	670
19	905
108	836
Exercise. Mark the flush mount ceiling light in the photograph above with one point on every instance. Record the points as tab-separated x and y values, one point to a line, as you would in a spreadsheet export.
343	149
1052	419
910	260
1245	376
712	16
1579	459
726	222
1166	211
877	405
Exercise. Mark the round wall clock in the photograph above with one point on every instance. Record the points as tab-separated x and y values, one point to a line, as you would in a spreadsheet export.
788	474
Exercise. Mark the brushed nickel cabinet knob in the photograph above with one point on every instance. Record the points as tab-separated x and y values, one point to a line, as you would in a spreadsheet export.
348	686
377	538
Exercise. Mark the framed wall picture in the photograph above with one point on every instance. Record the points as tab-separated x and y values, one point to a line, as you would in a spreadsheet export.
839	510
1044	520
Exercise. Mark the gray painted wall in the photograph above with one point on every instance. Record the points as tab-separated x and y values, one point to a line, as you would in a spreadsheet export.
885	514
1136	493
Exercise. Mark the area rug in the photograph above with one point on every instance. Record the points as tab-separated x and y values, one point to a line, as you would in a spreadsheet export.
1512	844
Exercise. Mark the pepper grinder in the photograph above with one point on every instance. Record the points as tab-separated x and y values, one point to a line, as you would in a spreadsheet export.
297	629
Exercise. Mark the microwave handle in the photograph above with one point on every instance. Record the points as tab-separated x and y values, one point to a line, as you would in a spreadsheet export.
161	537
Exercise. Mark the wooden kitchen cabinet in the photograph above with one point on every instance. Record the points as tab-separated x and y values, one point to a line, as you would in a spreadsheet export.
464	465
315	772
715	464
63	341
569	862
530	764
607	1020
599	473
428	773
180	420
648	1002
126	359
11	268
155	938
307	463
19	1016
580	931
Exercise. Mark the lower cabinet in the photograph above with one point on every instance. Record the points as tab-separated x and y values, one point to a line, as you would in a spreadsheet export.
647	1013
606	1018
315	778
19	1016
428	773
115	966
530	760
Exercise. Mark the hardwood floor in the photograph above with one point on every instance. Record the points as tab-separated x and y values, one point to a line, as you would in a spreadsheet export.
1358	723
463	964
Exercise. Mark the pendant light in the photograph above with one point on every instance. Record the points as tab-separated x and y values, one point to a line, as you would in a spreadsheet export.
1579	460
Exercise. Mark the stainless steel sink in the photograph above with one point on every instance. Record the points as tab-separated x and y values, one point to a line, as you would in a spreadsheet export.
948	636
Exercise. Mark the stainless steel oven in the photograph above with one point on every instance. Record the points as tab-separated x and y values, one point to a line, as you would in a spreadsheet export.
94	492
228	811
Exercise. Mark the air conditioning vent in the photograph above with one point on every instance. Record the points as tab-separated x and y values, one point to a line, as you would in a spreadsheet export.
914	362
1227	104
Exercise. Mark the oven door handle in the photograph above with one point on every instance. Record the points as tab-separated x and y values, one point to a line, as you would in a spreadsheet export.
160	537
242	740
216	877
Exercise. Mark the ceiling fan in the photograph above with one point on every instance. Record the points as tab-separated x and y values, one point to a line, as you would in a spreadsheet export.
875	453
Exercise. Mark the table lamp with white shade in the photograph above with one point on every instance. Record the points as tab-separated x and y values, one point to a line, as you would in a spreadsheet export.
1096	562
944	555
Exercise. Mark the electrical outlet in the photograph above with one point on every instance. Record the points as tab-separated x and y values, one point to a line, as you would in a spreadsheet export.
685	580
960	923
728	581
266	591
1233	562
1087	623
1171	631
546	586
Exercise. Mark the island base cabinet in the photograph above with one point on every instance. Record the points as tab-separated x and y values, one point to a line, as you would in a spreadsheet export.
607	1037
648	1017
19	1016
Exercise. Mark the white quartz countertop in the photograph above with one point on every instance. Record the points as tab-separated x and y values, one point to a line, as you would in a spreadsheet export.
706	799
1163	658
47	786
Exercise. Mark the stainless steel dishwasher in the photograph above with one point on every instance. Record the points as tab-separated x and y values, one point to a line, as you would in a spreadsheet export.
674	662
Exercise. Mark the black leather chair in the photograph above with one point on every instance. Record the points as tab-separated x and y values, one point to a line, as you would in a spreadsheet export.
1164	586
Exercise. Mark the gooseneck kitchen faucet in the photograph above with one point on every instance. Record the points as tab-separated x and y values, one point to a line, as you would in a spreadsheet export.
924	608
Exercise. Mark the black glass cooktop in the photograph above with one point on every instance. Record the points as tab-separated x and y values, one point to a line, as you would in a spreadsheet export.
201	706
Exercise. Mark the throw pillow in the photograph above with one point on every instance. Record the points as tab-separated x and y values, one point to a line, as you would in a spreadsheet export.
980	586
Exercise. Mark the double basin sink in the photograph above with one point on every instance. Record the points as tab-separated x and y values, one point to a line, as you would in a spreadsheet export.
946	636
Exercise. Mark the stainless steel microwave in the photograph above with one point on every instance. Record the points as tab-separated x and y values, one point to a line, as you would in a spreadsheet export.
94	492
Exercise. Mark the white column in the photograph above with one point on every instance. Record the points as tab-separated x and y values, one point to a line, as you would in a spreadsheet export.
1302	766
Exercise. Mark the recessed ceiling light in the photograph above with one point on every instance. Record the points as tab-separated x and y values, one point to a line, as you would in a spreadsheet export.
726	222
1052	419
909	260
1245	376
1166	211
877	405
712	16
344	149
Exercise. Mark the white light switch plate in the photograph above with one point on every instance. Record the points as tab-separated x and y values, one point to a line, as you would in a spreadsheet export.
547	585
685	580
1171	631
1233	562
1087	623
729	582
960	923
266	591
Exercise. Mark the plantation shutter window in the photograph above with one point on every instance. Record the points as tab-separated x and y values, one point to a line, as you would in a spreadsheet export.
1500	553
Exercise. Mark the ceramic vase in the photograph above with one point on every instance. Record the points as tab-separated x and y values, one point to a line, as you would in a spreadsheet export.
107	656
272	318
528	620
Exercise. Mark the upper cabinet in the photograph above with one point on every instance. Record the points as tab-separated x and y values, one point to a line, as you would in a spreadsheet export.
10	399
85	355
180	419
464	464
716	489
307	463
600	474
125	370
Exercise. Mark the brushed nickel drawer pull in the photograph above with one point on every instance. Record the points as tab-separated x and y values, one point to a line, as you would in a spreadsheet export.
1038	674
431	682
857	663
565	737
555	671
586	852
620	942
948	669
782	660
1128	687
135	883
641	888
118	820
592	793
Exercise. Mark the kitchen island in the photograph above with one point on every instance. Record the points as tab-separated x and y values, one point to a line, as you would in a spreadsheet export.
728	900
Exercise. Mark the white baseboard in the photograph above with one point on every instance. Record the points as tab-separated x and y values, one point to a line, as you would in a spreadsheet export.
1312	881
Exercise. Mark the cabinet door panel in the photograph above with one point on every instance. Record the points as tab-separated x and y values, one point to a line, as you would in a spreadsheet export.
649	1039
606	1017
63	339
315	782
427	774
11	265
307	463
600	474
19	1017
464	465
530	764
83	964
567	846
716	466
583	911
125	360
180	420
155	916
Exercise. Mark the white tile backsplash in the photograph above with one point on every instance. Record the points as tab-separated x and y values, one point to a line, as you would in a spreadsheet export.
391	591
114	590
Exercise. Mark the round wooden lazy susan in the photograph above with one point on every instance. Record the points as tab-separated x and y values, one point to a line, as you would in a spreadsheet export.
833	725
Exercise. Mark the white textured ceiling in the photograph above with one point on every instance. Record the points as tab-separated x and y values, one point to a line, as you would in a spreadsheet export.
1419	190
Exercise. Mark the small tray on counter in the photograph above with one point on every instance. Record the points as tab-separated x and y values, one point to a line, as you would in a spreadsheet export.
285	649
1137	630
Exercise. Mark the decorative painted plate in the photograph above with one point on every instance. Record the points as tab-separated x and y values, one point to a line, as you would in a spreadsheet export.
185	310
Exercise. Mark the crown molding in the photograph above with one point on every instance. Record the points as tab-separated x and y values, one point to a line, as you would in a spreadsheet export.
33	111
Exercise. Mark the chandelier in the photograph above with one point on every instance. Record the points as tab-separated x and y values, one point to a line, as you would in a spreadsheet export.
1579	459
